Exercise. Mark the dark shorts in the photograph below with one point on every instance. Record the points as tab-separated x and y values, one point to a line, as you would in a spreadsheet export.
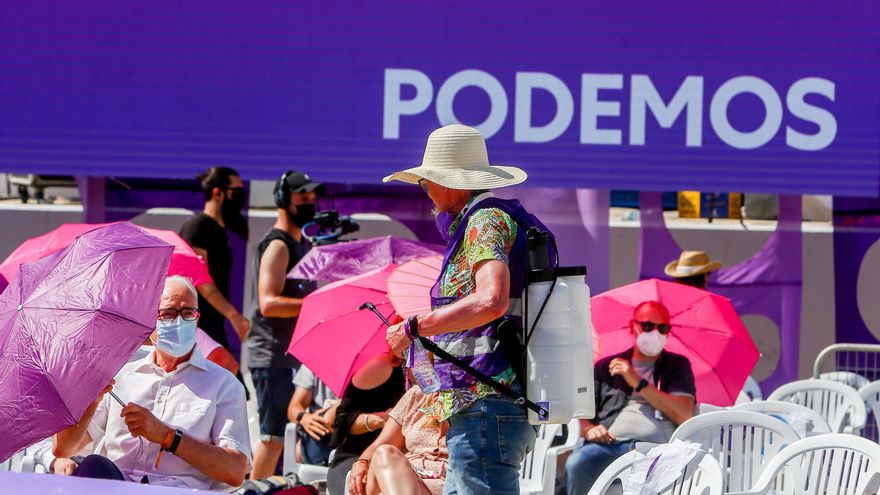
274	389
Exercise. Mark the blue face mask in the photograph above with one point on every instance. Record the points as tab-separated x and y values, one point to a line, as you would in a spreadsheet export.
175	337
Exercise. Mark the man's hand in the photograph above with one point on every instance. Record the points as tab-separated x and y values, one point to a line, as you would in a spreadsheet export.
358	480
141	423
63	466
314	425
241	325
397	339
598	434
624	368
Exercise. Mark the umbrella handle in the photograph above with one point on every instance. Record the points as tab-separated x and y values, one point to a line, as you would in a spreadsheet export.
500	387
113	394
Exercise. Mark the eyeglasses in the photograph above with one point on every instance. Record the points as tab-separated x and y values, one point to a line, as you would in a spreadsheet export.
424	184
649	326
170	314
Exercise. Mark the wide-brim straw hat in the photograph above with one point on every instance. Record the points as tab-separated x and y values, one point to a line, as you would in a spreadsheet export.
691	263
456	157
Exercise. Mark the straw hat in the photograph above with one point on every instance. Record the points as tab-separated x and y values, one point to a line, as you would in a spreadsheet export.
691	263
455	157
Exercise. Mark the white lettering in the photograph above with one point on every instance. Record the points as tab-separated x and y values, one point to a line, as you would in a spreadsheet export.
803	110
592	108
689	94
394	107
772	117
482	80
526	83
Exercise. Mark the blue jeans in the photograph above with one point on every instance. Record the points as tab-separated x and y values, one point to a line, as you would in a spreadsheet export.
585	464
487	442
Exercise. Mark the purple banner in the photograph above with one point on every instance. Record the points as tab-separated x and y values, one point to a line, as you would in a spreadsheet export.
749	96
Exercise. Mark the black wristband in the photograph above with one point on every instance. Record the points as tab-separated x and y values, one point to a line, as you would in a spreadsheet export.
299	416
178	435
642	384
412	326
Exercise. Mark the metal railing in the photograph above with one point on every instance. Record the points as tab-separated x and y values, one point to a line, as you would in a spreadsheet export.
855	365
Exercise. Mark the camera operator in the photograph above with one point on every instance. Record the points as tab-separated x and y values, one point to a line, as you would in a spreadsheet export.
279	301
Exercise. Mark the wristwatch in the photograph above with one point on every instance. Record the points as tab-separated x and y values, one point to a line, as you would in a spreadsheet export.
299	416
642	384
178	435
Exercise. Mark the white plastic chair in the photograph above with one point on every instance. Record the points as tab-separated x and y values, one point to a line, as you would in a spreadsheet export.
307	473
778	410
538	471
854	380
743	442
870	393
832	464
840	405
703	476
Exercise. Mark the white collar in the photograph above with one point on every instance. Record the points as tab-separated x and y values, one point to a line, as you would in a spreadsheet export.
196	359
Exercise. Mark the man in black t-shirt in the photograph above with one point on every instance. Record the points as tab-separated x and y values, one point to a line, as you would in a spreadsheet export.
279	300
206	233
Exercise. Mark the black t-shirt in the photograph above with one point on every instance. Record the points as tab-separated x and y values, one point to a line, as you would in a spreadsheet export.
202	231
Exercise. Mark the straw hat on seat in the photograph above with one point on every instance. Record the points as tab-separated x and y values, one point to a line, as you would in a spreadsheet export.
456	157
691	263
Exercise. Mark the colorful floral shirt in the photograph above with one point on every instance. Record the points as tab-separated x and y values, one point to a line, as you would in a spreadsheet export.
490	236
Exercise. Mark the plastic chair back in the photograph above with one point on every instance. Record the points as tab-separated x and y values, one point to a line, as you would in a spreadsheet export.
703	476
780	410
832	464
840	405
742	442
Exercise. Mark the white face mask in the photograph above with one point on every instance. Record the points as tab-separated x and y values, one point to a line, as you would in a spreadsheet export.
651	343
175	337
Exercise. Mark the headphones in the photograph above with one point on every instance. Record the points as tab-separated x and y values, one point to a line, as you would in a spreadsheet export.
282	191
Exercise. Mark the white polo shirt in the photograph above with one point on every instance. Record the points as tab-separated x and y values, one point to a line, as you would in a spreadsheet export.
199	397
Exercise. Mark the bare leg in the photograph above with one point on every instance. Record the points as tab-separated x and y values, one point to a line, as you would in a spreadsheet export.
391	474
265	459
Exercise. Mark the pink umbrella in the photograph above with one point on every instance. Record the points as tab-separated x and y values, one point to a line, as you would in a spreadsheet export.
68	323
409	286
333	336
346	259
184	261
705	329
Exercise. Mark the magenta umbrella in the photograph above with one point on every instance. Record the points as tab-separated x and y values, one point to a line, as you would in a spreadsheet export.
184	261
705	329
69	322
333	336
347	259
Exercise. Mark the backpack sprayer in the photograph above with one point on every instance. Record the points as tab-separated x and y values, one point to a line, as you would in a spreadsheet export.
551	353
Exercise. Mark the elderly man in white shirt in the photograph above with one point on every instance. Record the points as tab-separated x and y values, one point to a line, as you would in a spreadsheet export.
185	423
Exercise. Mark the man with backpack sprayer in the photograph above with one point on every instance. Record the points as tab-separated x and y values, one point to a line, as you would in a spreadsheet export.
483	277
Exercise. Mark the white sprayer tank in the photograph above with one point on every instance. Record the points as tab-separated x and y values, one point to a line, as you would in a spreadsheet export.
559	365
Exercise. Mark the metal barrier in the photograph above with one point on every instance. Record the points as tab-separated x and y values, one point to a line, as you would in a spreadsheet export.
855	365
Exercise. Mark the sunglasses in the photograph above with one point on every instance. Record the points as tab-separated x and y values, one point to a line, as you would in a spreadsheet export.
424	184
649	326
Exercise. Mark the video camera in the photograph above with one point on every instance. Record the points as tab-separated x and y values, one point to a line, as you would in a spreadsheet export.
330	227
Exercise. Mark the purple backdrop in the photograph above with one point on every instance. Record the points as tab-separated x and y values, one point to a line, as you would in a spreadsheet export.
748	96
856	229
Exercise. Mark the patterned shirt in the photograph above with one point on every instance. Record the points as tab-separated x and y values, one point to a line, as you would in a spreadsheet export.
490	236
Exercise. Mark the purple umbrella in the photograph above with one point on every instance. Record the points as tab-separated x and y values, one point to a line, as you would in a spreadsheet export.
68	323
346	259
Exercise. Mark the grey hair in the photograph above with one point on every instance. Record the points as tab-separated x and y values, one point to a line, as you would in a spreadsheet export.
181	281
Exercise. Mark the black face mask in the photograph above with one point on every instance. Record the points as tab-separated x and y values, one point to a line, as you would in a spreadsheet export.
231	212
304	214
